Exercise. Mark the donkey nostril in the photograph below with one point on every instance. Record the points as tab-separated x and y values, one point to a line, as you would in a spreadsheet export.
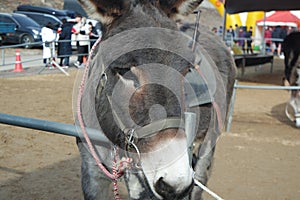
163	188
168	192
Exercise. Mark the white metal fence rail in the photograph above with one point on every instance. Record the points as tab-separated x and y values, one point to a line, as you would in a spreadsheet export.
237	86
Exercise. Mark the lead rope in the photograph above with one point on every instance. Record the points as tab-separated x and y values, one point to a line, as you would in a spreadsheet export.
117	172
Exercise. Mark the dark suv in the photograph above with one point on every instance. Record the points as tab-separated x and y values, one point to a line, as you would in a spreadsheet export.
42	19
51	11
27	30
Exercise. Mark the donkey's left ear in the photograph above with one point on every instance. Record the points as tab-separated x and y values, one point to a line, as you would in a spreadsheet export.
104	10
179	7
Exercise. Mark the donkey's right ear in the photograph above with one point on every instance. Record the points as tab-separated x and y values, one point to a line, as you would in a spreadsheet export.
104	10
179	7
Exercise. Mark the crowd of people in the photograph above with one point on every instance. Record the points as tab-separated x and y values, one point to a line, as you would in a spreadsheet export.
242	38
85	35
274	38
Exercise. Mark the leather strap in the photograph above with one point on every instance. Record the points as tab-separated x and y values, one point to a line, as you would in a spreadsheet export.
156	126
150	129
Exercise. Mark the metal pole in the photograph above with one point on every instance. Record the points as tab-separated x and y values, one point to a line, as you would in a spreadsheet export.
263	33
270	87
53	62
195	36
224	25
3	57
236	86
55	127
231	106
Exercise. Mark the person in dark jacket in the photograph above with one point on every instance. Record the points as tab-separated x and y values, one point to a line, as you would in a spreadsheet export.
249	40
95	33
64	47
278	34
241	39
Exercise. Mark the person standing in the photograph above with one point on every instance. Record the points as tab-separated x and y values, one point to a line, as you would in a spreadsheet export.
231	31
283	34
241	39
230	35
220	31
48	38
82	31
268	41
249	40
276	36
95	32
290	30
236	31
64	44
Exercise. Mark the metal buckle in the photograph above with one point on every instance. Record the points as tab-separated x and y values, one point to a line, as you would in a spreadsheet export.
130	144
130	136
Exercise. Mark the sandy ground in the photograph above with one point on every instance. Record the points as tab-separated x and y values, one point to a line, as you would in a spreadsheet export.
258	159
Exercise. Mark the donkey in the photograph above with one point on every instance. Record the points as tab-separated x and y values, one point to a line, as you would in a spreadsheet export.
293	106
145	89
290	47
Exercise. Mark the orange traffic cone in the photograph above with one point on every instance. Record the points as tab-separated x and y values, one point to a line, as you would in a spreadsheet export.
84	59
18	65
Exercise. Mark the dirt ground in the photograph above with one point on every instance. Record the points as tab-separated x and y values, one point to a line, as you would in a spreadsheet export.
258	159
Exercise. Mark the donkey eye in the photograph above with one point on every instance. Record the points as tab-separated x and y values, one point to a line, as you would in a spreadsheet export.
121	71
126	73
174	10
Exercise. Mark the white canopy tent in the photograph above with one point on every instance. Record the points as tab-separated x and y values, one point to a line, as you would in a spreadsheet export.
280	18
238	6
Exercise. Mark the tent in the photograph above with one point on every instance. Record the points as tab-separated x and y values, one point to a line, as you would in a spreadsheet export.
280	18
237	6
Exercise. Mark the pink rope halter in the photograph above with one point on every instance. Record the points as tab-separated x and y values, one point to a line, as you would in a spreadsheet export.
117	172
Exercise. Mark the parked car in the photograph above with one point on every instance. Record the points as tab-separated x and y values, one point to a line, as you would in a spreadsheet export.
60	14
26	31
42	19
6	29
47	10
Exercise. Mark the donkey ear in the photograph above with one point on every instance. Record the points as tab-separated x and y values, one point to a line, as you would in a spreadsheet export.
179	7
104	10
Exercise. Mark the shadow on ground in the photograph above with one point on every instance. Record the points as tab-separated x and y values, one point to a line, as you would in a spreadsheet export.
44	183
278	112
262	74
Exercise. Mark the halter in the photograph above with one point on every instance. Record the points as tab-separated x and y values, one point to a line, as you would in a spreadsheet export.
132	134
203	77
147	130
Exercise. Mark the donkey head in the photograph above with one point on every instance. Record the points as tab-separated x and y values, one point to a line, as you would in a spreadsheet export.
140	96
